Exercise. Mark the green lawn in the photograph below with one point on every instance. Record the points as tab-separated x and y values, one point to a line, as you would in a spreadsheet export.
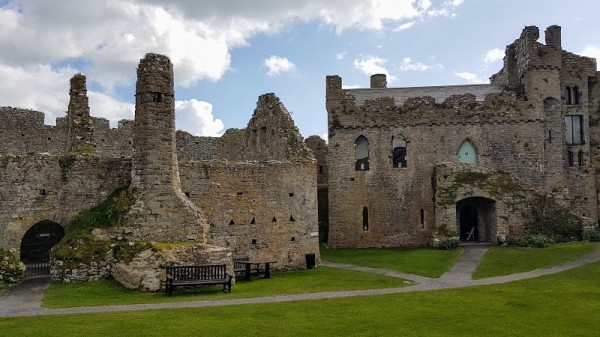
105	292
535	307
510	260
419	261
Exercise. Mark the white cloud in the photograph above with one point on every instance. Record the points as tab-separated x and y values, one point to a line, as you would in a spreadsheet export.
38	87
404	26
493	55
340	56
440	12
471	77
325	137
107	107
277	65
592	51
351	86
196	117
409	65
371	65
454	3
106	39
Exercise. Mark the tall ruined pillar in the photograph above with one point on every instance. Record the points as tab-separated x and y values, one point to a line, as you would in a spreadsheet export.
161	211
81	127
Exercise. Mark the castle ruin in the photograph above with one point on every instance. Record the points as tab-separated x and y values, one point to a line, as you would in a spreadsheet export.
407	165
251	191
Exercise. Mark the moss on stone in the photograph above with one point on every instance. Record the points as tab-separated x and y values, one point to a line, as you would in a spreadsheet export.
5	159
126	251
83	148
66	162
75	250
79	246
109	213
169	245
499	185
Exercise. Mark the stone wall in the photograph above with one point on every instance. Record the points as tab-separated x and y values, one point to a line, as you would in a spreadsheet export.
257	209
161	211
40	187
23	131
517	126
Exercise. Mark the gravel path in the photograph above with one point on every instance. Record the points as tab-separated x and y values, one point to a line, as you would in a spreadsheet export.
24	299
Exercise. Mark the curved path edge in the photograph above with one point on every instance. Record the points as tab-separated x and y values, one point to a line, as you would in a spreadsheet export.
425	284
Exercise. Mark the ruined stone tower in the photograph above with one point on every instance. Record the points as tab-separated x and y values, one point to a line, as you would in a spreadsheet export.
81	126
161	211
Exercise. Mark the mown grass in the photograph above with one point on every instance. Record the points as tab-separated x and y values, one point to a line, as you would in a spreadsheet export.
418	261
107	292
500	261
535	307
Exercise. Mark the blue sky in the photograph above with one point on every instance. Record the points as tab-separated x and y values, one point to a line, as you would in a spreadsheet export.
226	53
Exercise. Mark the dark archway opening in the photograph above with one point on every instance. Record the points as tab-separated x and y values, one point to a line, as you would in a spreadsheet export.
468	224
476	219
36	245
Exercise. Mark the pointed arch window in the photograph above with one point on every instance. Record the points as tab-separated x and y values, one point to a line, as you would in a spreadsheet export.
361	152
467	153
398	151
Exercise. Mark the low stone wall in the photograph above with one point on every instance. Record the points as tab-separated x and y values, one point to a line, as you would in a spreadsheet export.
83	273
146	270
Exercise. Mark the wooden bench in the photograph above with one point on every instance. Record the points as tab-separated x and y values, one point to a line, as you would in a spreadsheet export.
208	274
238	265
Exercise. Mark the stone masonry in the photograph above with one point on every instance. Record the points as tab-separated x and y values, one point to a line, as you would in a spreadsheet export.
251	191
161	211
408	164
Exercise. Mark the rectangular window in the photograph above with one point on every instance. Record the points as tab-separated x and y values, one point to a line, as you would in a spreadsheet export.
574	129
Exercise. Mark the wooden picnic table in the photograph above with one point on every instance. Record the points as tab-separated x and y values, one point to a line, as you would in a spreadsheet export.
257	270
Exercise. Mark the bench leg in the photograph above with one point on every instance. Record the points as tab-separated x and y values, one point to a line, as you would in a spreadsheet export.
247	274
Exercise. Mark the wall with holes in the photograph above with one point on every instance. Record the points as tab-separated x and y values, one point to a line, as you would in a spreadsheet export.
262	209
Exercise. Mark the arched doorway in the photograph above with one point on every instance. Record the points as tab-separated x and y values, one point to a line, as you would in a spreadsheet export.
36	245
476	219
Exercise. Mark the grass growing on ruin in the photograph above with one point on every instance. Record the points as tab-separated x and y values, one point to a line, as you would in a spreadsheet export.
534	307
418	261
283	283
79	245
500	261
168	245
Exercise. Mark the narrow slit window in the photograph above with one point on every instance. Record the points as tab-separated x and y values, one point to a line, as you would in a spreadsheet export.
570	158
422	218
580	158
365	219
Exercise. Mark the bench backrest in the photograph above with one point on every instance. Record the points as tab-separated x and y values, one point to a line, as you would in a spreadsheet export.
198	272
237	262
